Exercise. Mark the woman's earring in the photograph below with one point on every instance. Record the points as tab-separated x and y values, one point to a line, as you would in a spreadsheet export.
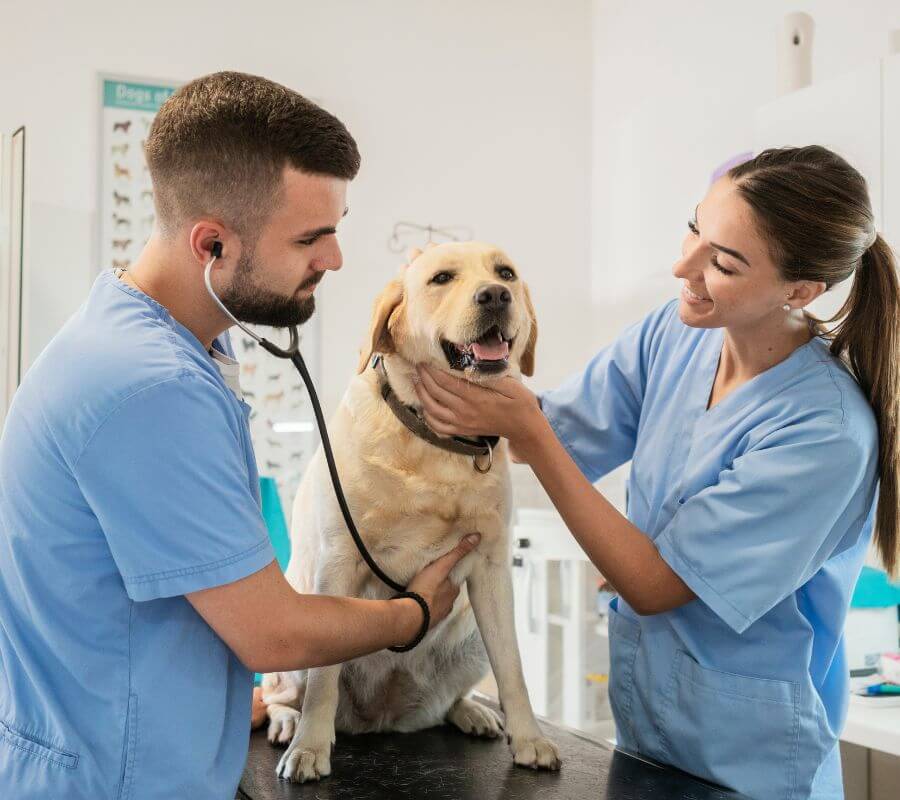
786	307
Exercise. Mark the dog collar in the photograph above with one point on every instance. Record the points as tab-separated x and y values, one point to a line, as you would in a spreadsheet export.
479	449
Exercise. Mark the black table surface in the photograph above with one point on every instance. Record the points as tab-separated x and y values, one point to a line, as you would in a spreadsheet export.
444	764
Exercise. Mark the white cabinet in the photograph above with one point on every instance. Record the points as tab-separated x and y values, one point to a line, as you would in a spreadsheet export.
843	114
891	148
565	658
858	116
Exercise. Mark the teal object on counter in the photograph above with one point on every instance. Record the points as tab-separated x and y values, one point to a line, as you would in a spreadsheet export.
874	590
273	515
882	689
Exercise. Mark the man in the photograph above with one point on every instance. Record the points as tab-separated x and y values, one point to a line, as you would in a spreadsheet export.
138	588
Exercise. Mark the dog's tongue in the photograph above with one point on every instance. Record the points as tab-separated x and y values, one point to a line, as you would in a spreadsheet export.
494	349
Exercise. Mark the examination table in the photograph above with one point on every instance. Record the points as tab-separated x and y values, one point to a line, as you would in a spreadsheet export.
444	764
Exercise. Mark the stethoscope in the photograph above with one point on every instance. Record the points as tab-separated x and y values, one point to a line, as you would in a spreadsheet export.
292	353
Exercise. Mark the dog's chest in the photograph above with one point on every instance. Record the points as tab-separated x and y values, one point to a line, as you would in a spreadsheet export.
410	514
436	496
412	501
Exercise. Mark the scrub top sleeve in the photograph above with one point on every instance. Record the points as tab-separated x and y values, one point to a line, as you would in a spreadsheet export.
773	519
167	477
595	413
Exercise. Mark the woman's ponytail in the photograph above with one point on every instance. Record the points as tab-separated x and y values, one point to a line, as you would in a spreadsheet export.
867	337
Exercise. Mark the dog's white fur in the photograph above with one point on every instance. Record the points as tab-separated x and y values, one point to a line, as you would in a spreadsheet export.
412	502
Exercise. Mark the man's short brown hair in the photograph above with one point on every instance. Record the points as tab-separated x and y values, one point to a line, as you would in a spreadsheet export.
219	145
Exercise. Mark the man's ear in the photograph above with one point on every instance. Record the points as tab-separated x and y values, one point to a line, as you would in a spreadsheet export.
380	339
526	362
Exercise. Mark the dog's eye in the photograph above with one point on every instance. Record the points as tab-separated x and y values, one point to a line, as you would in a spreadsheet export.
442	278
506	273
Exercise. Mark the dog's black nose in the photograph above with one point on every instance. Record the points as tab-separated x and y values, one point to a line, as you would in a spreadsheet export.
495	296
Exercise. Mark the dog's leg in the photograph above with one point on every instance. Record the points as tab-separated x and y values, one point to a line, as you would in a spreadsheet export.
474	718
490	592
308	756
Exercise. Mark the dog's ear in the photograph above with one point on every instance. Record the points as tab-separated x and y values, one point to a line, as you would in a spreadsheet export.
526	362
379	339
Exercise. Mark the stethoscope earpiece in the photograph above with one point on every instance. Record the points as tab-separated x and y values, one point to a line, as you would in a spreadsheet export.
293	348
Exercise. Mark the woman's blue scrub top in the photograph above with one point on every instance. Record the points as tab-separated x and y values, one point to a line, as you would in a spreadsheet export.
763	506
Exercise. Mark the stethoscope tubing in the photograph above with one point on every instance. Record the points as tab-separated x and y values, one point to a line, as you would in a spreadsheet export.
292	353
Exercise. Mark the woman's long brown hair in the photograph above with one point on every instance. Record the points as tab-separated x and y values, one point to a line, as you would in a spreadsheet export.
814	209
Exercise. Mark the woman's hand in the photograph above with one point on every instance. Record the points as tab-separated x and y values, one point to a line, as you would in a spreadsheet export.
455	407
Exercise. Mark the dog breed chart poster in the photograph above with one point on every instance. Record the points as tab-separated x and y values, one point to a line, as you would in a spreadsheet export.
282	423
126	198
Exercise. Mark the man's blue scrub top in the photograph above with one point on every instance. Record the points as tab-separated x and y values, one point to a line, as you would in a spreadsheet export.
127	479
763	506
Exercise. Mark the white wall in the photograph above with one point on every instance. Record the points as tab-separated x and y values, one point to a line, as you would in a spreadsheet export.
675	89
467	112
578	135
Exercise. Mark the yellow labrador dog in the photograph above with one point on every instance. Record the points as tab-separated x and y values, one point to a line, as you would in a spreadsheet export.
461	307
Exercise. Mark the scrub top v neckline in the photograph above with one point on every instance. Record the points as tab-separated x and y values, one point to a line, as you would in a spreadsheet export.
765	383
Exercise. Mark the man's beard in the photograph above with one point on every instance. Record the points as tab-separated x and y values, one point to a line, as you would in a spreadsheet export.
256	305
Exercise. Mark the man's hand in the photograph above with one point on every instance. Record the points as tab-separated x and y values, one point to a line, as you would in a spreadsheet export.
312	630
434	586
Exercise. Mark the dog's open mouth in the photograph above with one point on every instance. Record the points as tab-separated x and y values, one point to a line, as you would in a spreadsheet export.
488	353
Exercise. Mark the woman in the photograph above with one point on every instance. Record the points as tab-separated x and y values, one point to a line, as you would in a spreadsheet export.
752	495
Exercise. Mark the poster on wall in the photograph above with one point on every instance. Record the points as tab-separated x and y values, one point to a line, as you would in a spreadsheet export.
126	194
281	423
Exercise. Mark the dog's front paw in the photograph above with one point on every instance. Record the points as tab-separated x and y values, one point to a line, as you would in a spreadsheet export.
536	752
306	759
283	721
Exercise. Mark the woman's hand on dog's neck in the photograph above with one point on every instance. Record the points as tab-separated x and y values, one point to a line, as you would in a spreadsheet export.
455	407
